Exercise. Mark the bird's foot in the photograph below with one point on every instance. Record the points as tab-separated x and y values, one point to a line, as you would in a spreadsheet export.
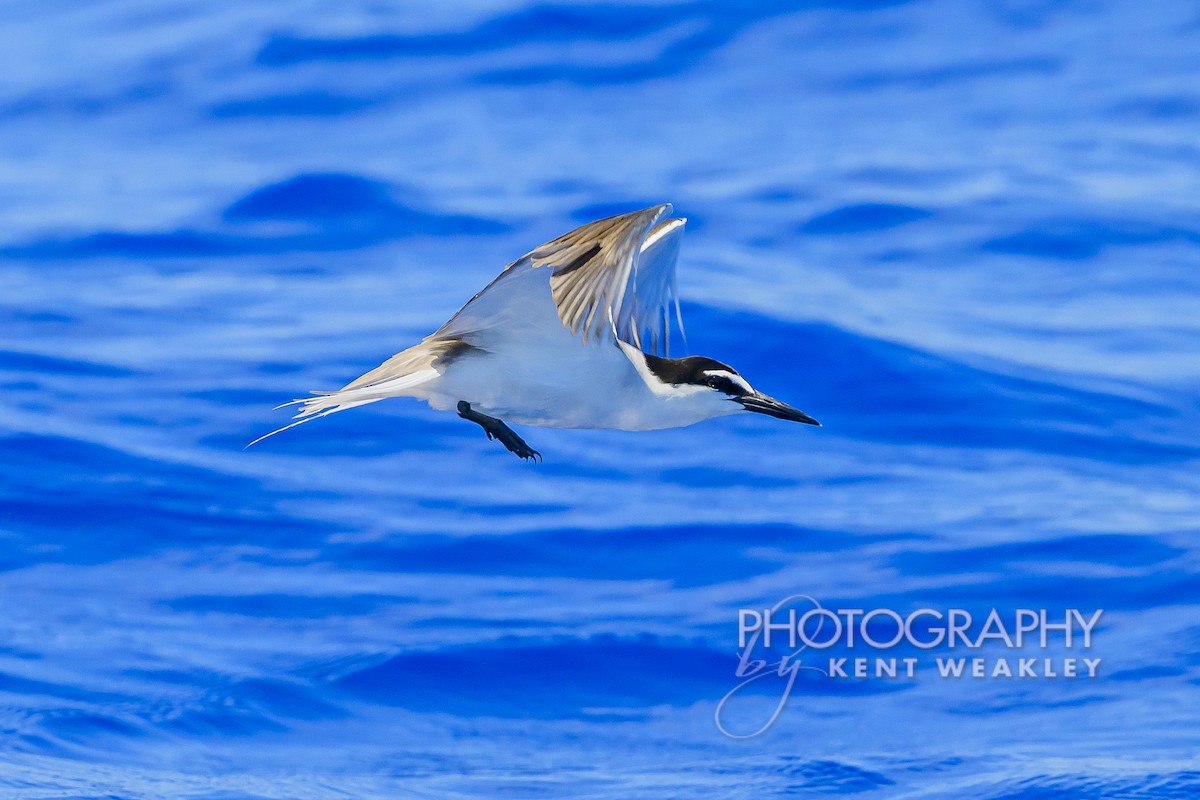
496	429
515	444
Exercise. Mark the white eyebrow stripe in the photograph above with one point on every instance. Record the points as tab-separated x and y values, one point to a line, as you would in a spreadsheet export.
738	379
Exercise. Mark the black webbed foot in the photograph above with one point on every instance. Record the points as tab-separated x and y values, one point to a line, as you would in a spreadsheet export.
496	429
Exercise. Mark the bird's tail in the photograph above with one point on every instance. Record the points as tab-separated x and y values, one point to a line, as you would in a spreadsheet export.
395	377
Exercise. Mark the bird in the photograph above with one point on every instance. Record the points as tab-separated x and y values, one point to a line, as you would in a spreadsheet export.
573	334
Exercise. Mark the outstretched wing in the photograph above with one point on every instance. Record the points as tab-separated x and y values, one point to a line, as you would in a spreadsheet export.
652	292
615	274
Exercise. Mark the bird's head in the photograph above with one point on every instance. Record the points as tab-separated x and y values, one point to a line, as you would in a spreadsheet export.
712	389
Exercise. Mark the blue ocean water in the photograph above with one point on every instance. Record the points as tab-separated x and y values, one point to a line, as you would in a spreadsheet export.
963	235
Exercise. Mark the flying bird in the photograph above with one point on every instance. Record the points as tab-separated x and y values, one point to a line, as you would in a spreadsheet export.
558	340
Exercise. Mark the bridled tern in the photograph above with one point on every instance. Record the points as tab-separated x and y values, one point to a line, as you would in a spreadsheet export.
556	341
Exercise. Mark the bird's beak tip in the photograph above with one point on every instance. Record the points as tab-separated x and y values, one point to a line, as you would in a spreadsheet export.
764	404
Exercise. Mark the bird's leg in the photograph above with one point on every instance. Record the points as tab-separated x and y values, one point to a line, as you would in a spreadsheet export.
496	429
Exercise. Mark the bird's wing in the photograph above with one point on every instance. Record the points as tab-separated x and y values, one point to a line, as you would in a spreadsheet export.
615	274
652	292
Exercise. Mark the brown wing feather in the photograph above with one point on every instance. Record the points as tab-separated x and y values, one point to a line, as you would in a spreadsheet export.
592	267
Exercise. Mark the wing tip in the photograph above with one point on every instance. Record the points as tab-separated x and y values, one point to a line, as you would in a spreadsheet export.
661	230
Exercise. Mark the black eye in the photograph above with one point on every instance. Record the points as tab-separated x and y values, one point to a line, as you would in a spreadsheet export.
721	384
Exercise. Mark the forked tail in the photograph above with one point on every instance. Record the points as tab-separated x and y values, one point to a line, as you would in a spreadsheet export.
324	404
395	377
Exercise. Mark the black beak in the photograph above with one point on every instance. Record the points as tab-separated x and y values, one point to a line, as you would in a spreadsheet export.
761	404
